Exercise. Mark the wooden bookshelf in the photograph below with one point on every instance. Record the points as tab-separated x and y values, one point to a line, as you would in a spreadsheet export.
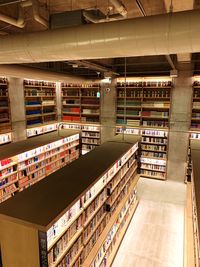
81	103
143	103
5	116
43	129
90	135
154	150
40	102
76	216
26	162
195	120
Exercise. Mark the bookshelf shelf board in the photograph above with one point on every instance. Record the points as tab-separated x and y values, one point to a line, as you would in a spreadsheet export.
131	107
152	176
153	143
33	106
150	157
155	118
126	115
152	150
149	169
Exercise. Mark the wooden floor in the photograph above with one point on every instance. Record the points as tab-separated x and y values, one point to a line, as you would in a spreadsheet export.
155	237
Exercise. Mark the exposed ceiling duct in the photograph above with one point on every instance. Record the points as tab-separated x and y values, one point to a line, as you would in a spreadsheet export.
19	71
20	22
154	35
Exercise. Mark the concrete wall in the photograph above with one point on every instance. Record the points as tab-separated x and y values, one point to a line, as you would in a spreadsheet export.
18	118
180	120
108	111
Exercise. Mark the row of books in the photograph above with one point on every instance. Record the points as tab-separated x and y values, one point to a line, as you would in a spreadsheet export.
129	103
90	141
89	85
39	83
3	80
158	114
196	115
154	140
196	93
129	112
3	92
130	93
145	83
153	147
150	93
153	167
154	174
153	154
71	102
4	115
3	103
91	134
71	110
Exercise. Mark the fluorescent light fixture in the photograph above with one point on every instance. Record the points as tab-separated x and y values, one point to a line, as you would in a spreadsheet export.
106	80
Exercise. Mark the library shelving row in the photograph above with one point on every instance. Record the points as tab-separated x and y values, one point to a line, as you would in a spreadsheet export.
154	148
144	103
26	162
46	128
5	116
40	102
80	102
90	135
78	223
5	138
195	199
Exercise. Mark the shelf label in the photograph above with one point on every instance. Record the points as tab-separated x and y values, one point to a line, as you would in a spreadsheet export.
42	237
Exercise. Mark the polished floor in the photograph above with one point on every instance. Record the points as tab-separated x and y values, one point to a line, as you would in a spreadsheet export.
155	237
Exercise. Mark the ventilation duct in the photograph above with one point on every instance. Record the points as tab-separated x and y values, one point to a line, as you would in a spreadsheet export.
155	35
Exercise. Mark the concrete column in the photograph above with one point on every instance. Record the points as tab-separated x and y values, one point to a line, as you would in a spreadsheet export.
108	110
59	101
180	119
18	118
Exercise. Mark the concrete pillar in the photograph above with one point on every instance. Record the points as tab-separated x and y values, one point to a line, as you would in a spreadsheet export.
18	118
108	110
180	119
59	100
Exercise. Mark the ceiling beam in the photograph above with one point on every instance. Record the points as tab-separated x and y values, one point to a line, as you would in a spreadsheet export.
93	66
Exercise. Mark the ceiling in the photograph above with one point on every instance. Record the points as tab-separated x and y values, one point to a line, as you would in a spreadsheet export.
135	66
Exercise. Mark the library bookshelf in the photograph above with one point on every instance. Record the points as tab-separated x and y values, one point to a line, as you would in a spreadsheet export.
195	199
143	102
195	120
90	135
43	129
5	116
40	102
81	102
143	107
154	149
81	221
24	163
